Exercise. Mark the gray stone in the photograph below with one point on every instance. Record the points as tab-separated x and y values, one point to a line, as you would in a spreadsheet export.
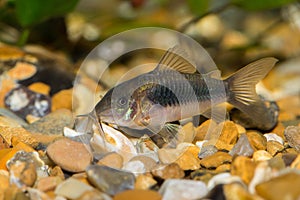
53	123
110	180
207	151
242	147
292	134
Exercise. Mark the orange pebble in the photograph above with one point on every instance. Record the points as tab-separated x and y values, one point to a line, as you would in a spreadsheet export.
40	87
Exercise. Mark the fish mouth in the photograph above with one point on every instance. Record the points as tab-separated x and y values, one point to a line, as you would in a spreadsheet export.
107	116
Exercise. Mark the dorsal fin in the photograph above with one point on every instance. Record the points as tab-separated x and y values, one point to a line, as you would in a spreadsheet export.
177	59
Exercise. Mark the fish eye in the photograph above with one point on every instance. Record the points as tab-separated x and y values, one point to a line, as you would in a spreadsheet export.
122	101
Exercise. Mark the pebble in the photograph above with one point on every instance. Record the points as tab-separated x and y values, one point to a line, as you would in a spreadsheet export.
282	187
113	160
72	188
138	195
49	183
202	130
57	171
223	178
207	150
22	135
22	174
203	175
7	84
115	141
178	189
40	87
238	191
25	168
53	123
137	167
3	143
227	135
168	156
148	162
279	130
292	134
145	146
277	163
62	99
35	194
144	182
216	160
242	147
243	167
189	160
15	193
257	140
288	158
69	155
273	147
169	171
263	172
4	180
23	102
22	71
296	163
110	180
186	133
261	155
8	121
94	195
223	168
273	137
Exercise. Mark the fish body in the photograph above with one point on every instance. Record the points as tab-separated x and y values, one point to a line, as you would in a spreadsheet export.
174	90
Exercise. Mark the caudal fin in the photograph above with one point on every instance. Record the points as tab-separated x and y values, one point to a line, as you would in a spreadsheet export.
241	88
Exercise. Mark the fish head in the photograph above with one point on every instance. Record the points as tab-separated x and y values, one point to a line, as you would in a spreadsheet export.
117	106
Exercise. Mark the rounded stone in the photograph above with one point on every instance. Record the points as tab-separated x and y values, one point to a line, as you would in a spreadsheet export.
216	160
113	160
172	170
257	140
137	195
69	155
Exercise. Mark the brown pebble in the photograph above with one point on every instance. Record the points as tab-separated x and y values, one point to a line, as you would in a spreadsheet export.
282	187
19	133
144	182
257	140
273	147
228	135
113	160
189	160
22	70
57	171
201	131
69	155
216	160
4	180
138	195
62	99
261	155
243	167
40	87
296	163
24	173
172	170
46	184
148	162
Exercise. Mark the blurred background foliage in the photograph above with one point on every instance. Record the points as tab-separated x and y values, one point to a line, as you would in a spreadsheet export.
233	31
